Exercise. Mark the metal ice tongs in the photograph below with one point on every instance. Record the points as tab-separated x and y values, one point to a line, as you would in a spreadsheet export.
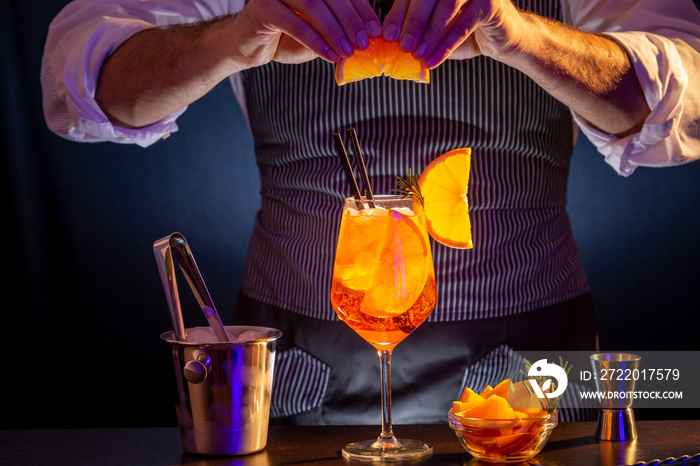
164	249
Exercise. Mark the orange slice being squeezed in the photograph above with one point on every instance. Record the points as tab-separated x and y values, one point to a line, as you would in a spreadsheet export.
380	58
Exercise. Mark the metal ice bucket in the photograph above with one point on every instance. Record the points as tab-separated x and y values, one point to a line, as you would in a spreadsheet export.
223	392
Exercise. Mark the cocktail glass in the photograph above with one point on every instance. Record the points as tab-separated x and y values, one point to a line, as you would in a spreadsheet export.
384	288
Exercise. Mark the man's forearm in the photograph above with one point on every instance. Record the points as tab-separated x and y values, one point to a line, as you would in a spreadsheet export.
158	71
591	74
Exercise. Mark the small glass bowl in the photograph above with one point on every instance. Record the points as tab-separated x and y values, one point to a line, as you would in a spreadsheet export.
504	440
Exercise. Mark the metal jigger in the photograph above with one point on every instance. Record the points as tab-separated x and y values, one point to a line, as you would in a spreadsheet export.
613	375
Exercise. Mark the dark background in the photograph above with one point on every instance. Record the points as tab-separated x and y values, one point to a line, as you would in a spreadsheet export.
84	306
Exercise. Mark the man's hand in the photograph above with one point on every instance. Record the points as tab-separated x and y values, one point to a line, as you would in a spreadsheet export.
435	30
294	31
590	73
160	70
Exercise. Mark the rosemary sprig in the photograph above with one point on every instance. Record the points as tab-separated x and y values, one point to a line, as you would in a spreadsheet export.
409	186
548	405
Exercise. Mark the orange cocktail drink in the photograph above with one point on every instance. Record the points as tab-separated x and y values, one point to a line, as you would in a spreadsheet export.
383	279
384	288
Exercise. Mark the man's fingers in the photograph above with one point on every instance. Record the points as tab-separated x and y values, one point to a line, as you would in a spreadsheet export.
324	22
291	51
352	24
460	29
393	22
373	26
345	25
440	19
283	19
417	16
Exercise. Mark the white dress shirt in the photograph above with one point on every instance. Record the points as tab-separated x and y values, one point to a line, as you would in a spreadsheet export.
661	38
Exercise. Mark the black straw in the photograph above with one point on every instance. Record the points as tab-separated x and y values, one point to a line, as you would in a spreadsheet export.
345	162
361	165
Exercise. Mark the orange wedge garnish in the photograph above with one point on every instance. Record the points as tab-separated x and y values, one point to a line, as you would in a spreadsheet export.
443	185
380	58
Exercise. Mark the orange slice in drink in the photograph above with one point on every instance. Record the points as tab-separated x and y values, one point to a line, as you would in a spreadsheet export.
443	185
402	269
380	58
357	256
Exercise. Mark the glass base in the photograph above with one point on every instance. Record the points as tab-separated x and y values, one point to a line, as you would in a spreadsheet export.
397	450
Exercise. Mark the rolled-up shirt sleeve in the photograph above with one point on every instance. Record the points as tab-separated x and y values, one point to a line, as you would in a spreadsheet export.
662	40
81	36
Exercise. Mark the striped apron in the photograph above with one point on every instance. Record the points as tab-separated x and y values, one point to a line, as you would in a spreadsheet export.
524	259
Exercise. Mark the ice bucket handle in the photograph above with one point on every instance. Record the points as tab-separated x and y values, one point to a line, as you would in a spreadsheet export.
197	370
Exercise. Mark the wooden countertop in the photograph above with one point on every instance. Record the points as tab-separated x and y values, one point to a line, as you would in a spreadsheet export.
570	444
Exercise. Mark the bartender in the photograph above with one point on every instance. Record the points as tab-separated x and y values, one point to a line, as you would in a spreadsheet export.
513	81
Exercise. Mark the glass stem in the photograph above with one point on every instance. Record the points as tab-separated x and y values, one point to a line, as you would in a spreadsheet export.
387	436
